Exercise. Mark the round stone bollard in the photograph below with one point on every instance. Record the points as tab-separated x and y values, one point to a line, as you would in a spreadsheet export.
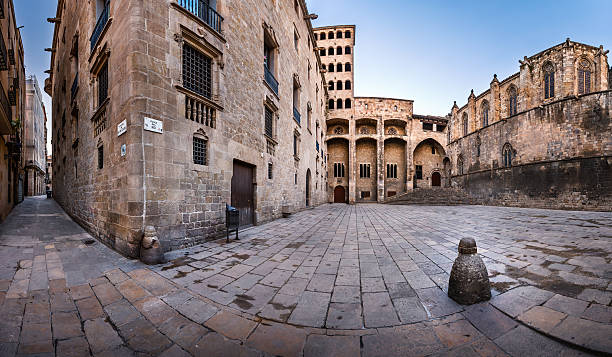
150	247
469	279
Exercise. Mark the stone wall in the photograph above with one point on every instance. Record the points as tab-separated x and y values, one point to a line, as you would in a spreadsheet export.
561	156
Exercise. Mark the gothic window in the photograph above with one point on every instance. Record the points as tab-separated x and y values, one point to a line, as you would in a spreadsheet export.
338	130
331	104
392	131
485	113
199	150
339	104
512	99
465	124
507	155
347	50
339	85
549	81
460	165
331	85
347	84
197	73
347	67
347	103
584	77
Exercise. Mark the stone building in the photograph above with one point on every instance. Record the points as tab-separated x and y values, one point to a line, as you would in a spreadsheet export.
12	99
377	147
541	137
35	153
164	111
49	172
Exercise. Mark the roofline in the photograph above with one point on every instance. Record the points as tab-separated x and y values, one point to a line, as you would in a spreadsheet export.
386	98
332	27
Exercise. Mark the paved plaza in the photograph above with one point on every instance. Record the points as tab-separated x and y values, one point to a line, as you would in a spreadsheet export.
336	280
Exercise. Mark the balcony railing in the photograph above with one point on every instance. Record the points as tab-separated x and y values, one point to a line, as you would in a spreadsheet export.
102	20
99	120
75	87
204	12
4	102
272	82
3	54
296	115
199	111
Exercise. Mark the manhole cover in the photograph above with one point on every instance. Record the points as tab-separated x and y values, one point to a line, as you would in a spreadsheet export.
89	241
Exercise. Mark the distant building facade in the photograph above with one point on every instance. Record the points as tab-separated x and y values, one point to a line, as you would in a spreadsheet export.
35	153
377	147
12	99
541	137
166	111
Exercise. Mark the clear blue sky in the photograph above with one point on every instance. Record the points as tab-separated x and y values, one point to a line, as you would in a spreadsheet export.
433	52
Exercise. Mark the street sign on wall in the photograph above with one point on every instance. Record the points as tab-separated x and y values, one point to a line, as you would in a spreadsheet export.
156	126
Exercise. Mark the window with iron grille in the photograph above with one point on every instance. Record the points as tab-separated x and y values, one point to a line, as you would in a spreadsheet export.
268	121
270	171
199	151
100	157
103	84
197	75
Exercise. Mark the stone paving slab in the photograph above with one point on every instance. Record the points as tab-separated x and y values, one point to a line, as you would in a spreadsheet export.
374	288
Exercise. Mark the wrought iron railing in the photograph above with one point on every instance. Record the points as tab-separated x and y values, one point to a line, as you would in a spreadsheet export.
272	82
99	121
102	20
204	12
4	102
199	111
75	87
3	54
296	115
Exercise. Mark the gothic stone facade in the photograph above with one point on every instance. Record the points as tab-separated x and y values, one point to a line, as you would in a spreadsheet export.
377	147
238	88
35	153
541	137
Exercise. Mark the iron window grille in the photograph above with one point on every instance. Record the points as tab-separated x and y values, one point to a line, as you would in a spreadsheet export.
199	151
100	157
103	84
197	74
268	122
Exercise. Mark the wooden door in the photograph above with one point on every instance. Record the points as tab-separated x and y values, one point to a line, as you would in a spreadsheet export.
339	194
436	179
242	192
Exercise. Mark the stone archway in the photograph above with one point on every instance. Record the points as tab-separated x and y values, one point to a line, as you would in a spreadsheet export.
428	160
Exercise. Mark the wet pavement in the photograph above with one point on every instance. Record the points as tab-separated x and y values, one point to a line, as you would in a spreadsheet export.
334	280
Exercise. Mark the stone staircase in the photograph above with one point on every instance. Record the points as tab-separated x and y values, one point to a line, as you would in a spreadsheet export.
432	196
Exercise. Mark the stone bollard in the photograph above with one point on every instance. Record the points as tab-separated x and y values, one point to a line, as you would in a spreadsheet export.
150	247
469	279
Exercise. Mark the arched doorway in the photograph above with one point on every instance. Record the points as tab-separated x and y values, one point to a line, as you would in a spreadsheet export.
436	179
308	188
339	194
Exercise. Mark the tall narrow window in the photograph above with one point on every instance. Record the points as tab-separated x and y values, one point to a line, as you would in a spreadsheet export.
269	122
339	85
331	85
347	84
197	73
347	50
339	104
364	170
199	151
391	170
465	124
347	67
270	171
485	113
295	145
100	157
330	51
549	81
512	99
339	67
339	34
102	84
460	165
507	155
330	35
347	103
347	34
331	104
322	36
584	77
338	169
419	172
339	50
331	67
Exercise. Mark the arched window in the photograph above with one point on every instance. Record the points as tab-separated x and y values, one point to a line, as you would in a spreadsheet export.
330	35
512	99
584	76
347	84
347	50
339	50
347	103
316	35
331	67
347	67
324	66
339	104
322	36
485	113
322	52
331	85
331	104
507	154
460	165
339	67
464	124
330	51
347	34
549	81
339	34
339	85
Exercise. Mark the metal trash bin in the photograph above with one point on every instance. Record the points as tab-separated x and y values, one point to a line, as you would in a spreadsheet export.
49	193
232	220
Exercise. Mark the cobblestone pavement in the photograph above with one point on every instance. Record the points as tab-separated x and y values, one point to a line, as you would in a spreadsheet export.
336	280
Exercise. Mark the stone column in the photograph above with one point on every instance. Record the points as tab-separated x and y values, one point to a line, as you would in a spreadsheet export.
380	159
352	154
495	107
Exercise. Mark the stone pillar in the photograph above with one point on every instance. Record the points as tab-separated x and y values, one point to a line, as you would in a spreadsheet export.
352	154
601	69
380	160
472	124
566	72
495	107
